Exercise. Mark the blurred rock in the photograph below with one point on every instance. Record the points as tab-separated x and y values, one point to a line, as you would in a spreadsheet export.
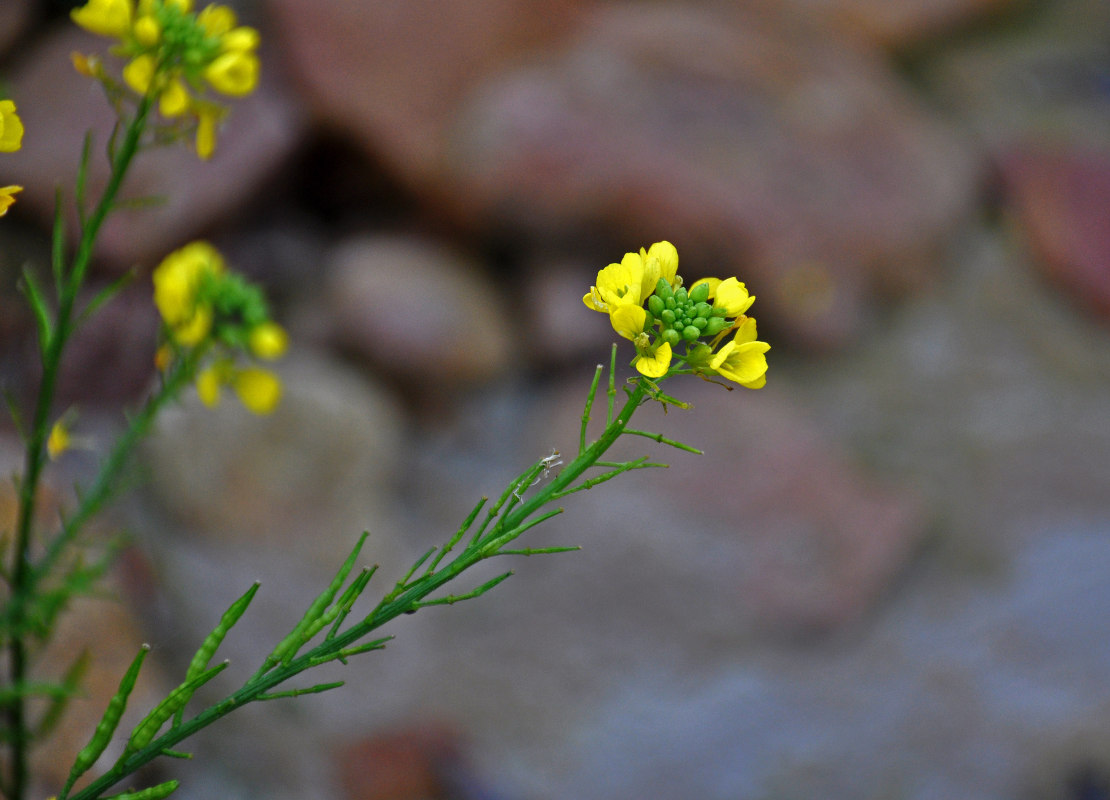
759	146
802	539
111	357
555	327
391	73
259	136
303	480
1062	200
15	15
417	311
1044	81
398	765
895	23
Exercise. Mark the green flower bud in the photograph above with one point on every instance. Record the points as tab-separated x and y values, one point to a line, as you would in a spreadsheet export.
699	323
700	293
667	316
699	356
715	325
691	333
655	304
662	288
680	295
671	337
703	309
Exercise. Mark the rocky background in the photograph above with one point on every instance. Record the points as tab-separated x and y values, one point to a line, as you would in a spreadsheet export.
887	577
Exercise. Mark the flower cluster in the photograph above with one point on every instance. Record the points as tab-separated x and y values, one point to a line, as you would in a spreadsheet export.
203	305
175	55
647	303
11	139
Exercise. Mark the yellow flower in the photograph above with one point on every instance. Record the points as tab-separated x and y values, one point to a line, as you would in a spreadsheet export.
7	197
660	261
11	128
628	320
140	72
731	297
216	20
242	39
234	73
268	341
105	17
206	133
654	363
59	440
177	281
617	285
743	359
259	390
174	100
209	381
148	31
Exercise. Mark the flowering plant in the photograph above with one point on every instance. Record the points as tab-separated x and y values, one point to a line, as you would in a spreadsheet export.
215	328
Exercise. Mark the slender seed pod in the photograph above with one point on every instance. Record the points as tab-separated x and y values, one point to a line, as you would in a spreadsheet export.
212	642
145	731
288	647
108	723
150	793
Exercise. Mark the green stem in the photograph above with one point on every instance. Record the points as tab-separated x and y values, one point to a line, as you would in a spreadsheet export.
410	598
22	570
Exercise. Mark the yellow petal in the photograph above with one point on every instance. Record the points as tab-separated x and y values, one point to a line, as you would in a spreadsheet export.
206	135
234	73
7	197
208	386
259	390
139	73
174	100
105	17
655	365
268	340
732	296
11	128
628	320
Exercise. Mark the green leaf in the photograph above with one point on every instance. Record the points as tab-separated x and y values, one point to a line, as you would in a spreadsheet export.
30	288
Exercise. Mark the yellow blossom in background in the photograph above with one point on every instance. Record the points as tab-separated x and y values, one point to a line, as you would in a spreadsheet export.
11	128
7	197
177	284
59	440
268	341
259	390
173	54
105	17
11	139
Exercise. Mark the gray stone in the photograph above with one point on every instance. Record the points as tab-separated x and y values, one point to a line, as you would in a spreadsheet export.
760	148
417	311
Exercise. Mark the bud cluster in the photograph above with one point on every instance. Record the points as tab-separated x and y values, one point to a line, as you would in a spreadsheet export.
210	310
647	303
174	56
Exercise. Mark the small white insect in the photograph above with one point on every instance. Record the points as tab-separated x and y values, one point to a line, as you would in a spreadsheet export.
549	463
